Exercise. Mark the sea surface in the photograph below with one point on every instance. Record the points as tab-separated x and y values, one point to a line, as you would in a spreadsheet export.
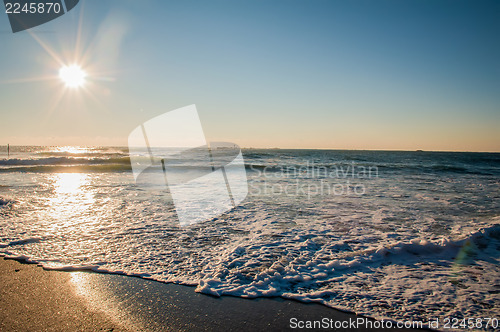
393	235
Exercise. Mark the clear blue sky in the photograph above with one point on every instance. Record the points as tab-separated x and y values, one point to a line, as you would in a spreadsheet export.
263	73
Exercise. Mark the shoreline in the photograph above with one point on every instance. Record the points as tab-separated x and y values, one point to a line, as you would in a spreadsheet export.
33	298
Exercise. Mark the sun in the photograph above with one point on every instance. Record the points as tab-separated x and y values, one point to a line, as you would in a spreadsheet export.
73	76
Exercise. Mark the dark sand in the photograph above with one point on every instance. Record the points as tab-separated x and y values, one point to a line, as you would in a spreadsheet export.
33	299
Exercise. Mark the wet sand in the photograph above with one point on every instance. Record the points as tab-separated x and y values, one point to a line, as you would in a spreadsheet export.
34	299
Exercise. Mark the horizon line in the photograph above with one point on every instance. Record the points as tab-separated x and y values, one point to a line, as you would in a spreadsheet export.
271	148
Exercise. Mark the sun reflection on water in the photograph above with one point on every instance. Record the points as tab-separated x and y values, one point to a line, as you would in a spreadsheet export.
69	184
71	149
72	199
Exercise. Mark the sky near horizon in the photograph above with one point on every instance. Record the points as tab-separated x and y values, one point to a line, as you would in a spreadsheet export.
390	75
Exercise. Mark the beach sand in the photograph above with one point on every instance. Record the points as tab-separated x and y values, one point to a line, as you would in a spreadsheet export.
35	299
32	299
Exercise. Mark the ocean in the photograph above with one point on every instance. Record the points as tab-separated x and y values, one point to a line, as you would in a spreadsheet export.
388	234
